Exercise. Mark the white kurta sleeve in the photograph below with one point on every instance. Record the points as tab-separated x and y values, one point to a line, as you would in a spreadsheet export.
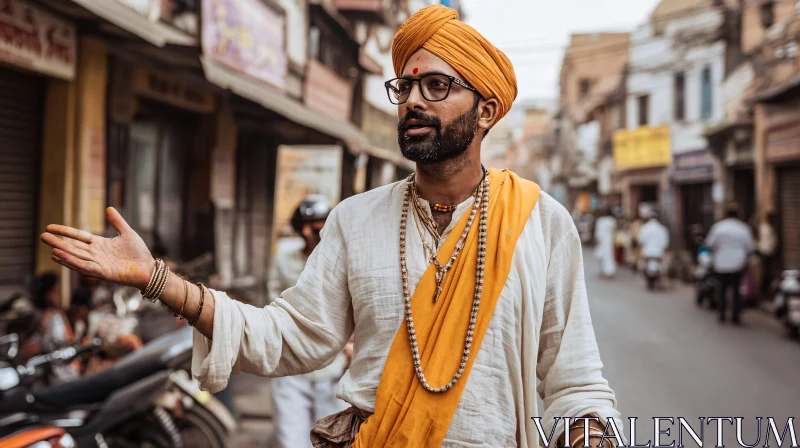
298	333
569	367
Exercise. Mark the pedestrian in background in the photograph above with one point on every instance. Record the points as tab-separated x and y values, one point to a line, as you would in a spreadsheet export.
604	232
731	243
299	401
767	245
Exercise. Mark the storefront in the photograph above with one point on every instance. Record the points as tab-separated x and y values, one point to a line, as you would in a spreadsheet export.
47	53
160	138
693	178
782	155
640	160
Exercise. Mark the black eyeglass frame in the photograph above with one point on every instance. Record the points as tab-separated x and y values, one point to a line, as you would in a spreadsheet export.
453	80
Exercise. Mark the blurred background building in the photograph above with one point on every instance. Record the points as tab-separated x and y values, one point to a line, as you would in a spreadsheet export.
176	112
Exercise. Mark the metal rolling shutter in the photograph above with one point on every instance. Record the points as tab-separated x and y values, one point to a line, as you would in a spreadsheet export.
789	191
21	108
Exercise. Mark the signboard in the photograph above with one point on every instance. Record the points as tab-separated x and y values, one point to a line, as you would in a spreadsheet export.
171	91
247	36
693	166
304	170
36	40
327	92
642	148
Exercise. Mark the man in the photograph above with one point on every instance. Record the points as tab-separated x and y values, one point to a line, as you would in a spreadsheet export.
299	401
767	244
605	230
653	238
731	243
462	288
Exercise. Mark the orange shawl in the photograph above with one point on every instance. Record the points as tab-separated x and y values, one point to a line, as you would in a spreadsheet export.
406	415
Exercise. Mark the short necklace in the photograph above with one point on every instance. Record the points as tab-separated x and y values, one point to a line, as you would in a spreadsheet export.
441	271
412	336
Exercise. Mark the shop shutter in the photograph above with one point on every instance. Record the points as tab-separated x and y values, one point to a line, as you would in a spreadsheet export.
789	191
21	108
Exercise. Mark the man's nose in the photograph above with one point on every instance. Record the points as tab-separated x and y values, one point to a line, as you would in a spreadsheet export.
415	98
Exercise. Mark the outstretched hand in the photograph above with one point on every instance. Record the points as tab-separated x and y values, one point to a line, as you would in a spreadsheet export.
124	259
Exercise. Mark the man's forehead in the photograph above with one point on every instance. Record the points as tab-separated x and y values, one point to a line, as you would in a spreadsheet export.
423	61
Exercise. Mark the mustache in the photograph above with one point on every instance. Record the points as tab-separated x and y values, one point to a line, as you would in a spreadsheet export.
425	120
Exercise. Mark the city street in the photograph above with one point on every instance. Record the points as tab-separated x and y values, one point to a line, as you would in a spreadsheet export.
664	357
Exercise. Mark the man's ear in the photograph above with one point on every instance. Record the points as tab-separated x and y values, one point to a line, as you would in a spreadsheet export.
488	113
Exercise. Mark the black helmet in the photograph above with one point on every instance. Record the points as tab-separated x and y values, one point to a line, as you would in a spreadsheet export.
314	207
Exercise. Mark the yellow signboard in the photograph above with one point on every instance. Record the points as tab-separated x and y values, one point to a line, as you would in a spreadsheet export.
642	148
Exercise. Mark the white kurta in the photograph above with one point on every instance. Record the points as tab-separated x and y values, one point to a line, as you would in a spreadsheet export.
540	329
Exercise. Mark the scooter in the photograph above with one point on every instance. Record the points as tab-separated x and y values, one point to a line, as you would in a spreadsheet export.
705	283
144	399
652	271
787	301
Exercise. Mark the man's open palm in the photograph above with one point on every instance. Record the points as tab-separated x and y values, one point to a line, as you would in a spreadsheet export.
124	259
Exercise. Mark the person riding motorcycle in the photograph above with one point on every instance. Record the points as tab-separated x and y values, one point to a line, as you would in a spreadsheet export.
300	401
653	238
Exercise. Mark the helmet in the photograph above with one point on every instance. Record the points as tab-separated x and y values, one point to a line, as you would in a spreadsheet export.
314	207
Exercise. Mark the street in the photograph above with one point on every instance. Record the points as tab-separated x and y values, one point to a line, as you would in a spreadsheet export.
663	357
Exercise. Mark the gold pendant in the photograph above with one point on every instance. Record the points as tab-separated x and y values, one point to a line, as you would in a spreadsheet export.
439	278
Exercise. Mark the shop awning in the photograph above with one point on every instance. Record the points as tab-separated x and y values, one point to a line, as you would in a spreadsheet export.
277	101
775	93
155	32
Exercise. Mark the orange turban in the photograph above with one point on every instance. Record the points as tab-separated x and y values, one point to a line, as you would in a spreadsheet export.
437	29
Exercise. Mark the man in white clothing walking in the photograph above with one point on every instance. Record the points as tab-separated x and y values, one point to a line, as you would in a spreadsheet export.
731	243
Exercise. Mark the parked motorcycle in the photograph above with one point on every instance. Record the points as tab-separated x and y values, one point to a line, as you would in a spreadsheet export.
652	271
705	282
787	301
144	399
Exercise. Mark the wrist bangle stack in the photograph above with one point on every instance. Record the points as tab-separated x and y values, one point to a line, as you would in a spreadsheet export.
158	282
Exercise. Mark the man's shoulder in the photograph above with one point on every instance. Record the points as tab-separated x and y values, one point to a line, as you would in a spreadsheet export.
556	220
367	205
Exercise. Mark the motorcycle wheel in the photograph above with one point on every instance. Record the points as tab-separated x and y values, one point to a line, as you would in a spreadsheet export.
199	428
651	283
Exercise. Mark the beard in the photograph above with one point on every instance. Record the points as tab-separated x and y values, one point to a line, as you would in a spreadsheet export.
440	144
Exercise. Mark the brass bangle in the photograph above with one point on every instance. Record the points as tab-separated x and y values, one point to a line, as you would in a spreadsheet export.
185	300
582	437
153	276
163	285
199	308
161	276
575	443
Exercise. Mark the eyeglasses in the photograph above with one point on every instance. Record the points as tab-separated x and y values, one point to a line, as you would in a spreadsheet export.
434	87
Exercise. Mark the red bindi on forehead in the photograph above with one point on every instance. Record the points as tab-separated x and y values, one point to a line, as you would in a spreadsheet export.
415	71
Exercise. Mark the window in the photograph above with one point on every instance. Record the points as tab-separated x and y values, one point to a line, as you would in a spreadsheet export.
706	94
328	47
680	96
585	85
313	42
644	106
